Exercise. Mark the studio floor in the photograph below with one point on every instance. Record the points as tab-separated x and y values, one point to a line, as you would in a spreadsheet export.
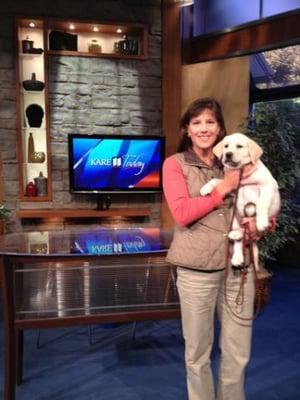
111	364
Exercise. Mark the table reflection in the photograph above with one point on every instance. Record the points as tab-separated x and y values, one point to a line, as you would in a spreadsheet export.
101	241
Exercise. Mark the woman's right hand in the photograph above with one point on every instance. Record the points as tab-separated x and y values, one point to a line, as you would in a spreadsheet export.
230	182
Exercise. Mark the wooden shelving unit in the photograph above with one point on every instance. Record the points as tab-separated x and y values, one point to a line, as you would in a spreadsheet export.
83	213
29	63
124	40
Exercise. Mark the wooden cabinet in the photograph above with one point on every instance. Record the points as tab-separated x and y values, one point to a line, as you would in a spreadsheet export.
38	39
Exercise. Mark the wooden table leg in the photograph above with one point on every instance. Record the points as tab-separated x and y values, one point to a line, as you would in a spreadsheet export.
6	273
19	335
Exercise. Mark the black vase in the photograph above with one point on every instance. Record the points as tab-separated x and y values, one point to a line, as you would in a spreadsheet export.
34	114
33	84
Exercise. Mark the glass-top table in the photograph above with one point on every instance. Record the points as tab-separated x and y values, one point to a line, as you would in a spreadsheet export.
85	276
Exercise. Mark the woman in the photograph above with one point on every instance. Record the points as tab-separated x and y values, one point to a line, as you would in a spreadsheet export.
199	249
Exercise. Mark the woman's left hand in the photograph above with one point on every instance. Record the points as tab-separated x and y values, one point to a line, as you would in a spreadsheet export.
251	232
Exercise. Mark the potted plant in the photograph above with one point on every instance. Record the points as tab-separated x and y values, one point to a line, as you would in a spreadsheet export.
4	213
275	126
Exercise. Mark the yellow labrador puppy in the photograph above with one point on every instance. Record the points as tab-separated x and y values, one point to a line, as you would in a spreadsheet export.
258	194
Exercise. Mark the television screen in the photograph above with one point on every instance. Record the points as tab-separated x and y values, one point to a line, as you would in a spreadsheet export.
115	163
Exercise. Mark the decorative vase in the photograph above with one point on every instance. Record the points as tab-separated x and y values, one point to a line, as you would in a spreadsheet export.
41	184
94	46
30	147
30	190
34	156
33	84
38	157
34	114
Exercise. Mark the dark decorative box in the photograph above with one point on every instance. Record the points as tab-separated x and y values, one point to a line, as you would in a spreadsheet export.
62	41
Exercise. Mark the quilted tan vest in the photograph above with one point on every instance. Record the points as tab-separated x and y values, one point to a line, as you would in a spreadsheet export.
203	244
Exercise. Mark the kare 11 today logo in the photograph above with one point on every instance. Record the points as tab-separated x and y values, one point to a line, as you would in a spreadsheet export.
128	161
137	244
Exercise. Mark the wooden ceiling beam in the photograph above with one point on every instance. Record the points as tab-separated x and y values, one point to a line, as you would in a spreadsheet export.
273	32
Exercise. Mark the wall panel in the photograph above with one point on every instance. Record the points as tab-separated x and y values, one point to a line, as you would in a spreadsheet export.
226	80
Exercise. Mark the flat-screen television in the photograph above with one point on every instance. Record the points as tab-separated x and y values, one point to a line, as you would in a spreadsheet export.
115	163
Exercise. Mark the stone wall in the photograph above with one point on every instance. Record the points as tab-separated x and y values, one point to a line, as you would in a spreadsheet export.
86	95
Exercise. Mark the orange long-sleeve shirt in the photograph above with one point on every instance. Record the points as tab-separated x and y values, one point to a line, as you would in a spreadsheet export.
185	209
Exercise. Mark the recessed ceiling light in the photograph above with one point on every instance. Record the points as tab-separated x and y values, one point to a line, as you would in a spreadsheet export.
119	30
71	26
32	24
95	29
183	3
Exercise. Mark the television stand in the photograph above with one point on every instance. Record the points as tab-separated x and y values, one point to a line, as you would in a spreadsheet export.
103	202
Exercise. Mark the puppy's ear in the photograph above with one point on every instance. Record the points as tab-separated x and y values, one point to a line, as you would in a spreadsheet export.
255	151
218	149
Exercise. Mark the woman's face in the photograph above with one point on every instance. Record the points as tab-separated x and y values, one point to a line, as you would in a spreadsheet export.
203	130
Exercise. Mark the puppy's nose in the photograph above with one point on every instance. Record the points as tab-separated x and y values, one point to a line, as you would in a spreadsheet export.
229	155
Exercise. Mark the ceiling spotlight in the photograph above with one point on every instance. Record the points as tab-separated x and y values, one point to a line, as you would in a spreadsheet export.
32	24
71	26
95	29
183	3
119	30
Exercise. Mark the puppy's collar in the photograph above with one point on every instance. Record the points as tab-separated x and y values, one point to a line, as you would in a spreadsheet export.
249	169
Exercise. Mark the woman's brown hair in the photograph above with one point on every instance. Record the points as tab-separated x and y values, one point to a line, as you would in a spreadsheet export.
194	109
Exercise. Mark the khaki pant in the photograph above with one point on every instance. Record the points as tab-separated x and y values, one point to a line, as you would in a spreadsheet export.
201	294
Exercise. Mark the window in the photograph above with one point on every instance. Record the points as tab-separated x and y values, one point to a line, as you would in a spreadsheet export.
218	15
276	68
275	74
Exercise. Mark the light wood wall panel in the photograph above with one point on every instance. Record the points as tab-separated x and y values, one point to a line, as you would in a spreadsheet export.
226	80
1	180
1	195
171	85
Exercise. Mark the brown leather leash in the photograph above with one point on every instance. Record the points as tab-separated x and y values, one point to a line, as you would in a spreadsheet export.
243	271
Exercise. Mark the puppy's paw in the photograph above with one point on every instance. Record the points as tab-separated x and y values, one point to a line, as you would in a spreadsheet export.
250	210
237	259
209	187
235	235
262	222
206	189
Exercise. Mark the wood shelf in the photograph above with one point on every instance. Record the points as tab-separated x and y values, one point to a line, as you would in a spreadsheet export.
107	34
95	55
83	213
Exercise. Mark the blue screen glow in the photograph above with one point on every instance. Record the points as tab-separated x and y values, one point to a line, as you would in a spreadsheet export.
99	163
110	241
